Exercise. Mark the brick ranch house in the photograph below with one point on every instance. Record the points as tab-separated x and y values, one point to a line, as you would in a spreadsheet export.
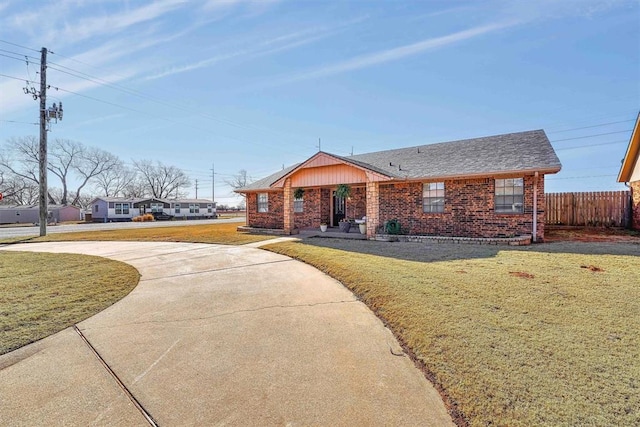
482	187
630	173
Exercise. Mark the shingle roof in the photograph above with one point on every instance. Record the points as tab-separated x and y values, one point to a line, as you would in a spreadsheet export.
522	151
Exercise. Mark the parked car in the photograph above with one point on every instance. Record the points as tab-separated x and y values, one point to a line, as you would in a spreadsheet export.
161	216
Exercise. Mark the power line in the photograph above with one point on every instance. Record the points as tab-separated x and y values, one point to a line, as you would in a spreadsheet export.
592	145
594	126
23	47
591	136
15	121
579	177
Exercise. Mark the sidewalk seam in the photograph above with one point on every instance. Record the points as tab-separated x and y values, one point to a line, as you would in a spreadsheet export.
124	388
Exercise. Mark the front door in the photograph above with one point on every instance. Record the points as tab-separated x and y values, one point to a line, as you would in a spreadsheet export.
338	209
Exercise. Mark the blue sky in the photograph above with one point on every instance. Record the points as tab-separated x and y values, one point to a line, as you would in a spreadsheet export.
256	84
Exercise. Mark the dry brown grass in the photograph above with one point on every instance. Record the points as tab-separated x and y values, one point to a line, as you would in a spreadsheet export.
513	337
43	293
221	233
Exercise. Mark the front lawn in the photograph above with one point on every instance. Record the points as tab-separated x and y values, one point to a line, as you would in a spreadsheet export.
221	233
545	335
42	293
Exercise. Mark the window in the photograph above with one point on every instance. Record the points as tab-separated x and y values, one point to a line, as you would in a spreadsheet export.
510	195
194	208
122	208
263	202
298	204
177	206
433	197
209	208
157	207
95	208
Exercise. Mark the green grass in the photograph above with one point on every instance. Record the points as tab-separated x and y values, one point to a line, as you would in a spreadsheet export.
42	293
222	233
512	337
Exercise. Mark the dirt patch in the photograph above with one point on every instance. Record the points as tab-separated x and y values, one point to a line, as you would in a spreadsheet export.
522	274
590	234
592	268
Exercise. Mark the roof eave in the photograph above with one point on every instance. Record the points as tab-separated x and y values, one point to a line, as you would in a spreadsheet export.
631	156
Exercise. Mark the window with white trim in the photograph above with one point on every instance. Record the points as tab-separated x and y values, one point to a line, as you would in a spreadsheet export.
194	208
157	207
209	208
263	202
298	204
509	195
177	208
433	197
122	208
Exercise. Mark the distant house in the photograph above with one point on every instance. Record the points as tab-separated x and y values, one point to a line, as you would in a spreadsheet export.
112	209
482	187
630	173
31	214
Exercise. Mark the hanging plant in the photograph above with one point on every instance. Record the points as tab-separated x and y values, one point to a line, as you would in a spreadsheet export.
343	191
298	193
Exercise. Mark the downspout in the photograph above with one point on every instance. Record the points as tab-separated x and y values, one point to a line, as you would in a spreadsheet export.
535	207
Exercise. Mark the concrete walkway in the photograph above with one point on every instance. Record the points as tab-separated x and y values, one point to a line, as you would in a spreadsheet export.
217	335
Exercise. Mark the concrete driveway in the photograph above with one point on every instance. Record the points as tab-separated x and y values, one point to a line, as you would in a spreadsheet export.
217	335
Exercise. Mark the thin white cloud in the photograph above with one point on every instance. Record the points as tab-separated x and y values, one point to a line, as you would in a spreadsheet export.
395	54
262	48
111	23
190	67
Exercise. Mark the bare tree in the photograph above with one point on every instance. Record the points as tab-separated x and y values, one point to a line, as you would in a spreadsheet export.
65	157
161	180
92	163
20	158
113	182
137	187
17	190
238	180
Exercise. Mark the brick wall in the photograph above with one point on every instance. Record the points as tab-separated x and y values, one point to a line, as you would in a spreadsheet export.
310	217
635	205
272	219
468	211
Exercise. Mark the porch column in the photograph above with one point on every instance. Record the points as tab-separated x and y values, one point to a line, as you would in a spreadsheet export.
289	224
373	208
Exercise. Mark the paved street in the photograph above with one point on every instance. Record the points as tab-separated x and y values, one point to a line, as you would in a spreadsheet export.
26	231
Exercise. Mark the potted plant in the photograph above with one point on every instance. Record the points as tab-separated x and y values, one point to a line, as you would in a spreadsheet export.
343	191
323	225
344	225
298	193
363	227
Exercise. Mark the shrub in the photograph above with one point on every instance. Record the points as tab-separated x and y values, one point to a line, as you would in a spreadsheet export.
143	218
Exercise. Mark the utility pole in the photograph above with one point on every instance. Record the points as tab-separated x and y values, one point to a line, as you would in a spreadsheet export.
213	185
46	114
196	188
44	208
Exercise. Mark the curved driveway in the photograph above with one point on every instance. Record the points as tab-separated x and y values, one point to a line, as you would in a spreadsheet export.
217	335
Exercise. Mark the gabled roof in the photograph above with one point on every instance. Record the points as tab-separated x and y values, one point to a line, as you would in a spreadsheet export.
632	155
521	152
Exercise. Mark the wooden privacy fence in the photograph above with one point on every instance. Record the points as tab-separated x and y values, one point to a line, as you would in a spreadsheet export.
596	208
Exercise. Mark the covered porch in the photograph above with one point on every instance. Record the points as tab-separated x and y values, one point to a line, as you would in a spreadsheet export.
310	197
